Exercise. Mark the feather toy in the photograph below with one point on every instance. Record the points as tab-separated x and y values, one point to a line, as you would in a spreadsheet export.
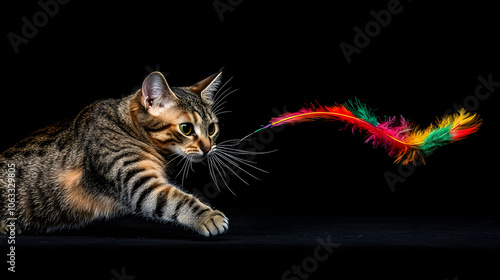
403	140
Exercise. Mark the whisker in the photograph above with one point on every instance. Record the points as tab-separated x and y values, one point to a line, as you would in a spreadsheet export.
217	161
218	106
223	173
175	155
219	101
236	157
226	166
182	159
245	162
229	141
191	164
235	164
212	172
188	165
224	95
186	171
188	161
228	80
246	137
233	154
243	152
218	98
218	110
223	112
175	159
184	164
233	142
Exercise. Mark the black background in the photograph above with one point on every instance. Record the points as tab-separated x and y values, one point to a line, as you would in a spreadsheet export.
282	54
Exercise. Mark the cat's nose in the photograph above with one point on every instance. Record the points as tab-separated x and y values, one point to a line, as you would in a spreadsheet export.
204	146
205	150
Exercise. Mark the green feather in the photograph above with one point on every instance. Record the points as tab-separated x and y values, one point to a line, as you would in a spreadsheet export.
362	111
436	138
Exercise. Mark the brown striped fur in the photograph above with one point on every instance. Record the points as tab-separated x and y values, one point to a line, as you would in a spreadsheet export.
82	202
113	159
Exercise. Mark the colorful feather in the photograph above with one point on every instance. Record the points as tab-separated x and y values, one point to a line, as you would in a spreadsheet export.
403	140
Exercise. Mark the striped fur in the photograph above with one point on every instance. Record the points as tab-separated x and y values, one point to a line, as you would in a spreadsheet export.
113	159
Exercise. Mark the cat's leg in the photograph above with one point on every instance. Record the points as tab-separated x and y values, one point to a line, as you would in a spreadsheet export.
151	195
169	203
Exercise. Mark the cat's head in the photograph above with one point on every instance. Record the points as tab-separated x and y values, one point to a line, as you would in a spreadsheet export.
180	120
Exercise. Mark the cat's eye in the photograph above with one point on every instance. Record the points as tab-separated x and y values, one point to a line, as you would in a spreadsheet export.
211	129
186	128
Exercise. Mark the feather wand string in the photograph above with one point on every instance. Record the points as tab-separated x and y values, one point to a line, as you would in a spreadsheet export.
403	140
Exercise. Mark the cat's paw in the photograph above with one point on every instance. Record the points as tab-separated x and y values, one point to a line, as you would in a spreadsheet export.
6	229
213	223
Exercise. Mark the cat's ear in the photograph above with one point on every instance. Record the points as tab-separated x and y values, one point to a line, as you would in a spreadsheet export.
156	92
207	87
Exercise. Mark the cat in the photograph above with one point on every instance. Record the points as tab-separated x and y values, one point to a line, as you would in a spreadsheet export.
113	159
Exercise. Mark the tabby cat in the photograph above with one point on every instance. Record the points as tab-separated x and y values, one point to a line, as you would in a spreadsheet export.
113	158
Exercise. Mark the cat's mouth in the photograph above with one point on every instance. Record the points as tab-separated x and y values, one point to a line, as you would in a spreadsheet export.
195	155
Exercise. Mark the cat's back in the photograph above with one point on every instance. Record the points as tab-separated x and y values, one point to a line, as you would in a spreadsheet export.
38	143
60	136
56	143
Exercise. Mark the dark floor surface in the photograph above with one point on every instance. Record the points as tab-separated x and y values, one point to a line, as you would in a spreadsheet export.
270	247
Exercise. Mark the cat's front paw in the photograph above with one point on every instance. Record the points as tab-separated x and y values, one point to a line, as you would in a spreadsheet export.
213	223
